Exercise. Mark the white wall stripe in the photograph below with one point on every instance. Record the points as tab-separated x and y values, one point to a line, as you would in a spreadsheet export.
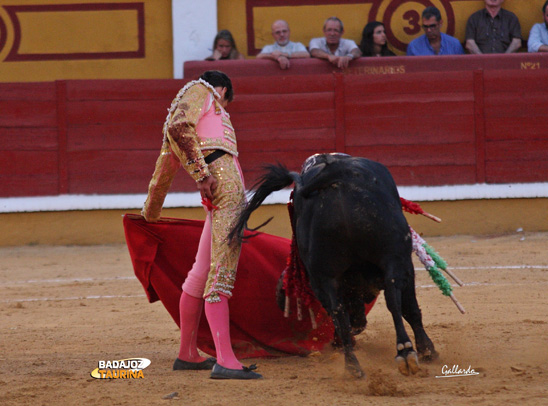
135	201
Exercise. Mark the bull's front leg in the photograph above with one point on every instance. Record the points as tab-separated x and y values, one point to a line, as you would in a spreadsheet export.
406	357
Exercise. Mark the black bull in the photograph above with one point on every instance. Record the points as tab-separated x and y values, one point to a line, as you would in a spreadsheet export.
353	240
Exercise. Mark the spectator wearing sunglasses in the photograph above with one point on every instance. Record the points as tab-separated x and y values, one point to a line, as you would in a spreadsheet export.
434	42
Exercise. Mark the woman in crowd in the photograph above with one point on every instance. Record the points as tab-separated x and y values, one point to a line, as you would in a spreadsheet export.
374	41
224	47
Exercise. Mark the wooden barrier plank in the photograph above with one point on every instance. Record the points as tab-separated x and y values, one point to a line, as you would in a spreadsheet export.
415	83
508	81
291	119
517	150
278	137
28	163
280	103
28	173
433	175
340	113
517	171
417	129
35	91
516	128
115	111
268	146
417	155
115	172
283	84
516	105
28	139
27	113
416	97
115	137
25	186
402	108
138	89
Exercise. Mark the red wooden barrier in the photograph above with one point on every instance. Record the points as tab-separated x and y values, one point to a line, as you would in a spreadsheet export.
429	128
372	66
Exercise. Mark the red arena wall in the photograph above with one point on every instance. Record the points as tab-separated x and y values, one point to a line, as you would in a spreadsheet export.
429	128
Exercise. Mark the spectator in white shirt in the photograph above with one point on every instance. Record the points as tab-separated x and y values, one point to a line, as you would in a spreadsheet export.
332	47
283	49
538	37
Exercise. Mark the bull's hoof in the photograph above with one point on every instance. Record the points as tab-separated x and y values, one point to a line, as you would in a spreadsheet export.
402	365
356	371
429	355
407	359
413	362
353	366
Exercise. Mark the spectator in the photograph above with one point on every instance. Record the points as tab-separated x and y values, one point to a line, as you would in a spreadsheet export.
434	42
224	47
538	37
283	49
493	30
332	47
374	41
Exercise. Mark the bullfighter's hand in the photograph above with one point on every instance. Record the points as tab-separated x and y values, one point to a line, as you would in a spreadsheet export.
207	187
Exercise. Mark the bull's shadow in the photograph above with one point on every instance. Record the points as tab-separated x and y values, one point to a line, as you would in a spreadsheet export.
353	240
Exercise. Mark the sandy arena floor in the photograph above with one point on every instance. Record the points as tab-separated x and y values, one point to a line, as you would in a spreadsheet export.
63	309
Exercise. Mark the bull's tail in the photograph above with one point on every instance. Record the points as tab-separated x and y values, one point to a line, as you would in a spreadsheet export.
275	178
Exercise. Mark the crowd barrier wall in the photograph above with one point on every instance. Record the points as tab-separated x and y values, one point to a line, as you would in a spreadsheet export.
457	126
396	65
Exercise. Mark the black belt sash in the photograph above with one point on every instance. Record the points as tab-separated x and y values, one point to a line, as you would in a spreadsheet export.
214	155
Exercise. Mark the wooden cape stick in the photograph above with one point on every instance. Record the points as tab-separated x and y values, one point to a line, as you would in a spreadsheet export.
455	278
459	306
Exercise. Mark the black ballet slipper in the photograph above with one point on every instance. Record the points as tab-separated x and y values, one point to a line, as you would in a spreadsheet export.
220	372
180	365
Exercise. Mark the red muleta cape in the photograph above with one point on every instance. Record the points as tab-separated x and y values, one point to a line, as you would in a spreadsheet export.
162	253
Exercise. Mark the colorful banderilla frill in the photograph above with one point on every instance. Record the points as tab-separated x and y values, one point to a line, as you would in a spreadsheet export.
431	260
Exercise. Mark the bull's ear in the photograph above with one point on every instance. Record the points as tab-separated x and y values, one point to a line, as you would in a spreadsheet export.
313	172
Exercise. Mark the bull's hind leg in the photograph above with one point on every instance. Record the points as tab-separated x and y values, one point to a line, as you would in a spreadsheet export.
412	313
406	358
326	291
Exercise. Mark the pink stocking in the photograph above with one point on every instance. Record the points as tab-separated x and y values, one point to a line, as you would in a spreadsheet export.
218	318
190	309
